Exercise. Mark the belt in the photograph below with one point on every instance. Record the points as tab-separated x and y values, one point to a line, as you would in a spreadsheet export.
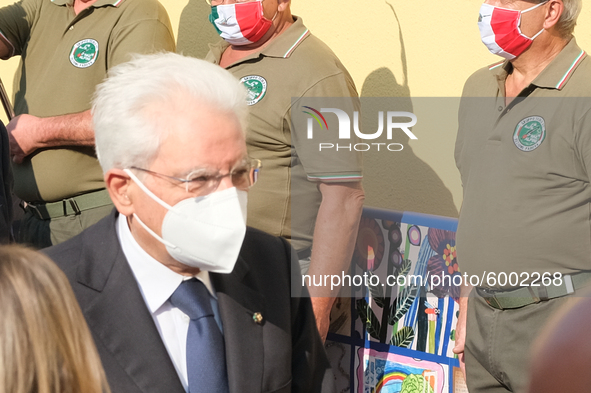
516	298
305	253
69	206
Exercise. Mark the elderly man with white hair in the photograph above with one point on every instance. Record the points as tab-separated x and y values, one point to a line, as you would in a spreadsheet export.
179	294
524	153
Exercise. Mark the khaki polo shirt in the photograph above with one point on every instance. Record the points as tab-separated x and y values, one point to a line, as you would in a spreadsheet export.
525	170
293	67
63	58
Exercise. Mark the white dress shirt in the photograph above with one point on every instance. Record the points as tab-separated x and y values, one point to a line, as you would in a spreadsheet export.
157	283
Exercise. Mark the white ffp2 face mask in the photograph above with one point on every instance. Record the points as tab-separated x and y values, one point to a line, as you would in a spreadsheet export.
203	232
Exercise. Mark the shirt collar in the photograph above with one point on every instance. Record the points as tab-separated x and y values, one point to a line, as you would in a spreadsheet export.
556	74
156	282
284	44
99	3
281	46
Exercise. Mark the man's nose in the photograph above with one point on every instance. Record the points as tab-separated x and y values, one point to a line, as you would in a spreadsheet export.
225	183
220	2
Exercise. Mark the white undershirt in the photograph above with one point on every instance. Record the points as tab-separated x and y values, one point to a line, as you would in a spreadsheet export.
157	283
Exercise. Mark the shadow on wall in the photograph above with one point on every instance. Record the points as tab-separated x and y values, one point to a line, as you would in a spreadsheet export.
195	31
398	180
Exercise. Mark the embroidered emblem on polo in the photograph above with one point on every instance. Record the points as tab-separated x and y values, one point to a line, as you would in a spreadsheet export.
529	133
84	53
256	86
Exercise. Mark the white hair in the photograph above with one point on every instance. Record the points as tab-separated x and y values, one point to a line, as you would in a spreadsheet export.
124	134
568	20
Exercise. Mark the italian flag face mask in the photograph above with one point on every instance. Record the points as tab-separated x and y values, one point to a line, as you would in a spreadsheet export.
240	23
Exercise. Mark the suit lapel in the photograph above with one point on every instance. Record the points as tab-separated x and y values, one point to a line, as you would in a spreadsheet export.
118	315
243	336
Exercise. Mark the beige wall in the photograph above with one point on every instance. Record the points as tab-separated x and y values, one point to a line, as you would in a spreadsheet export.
418	48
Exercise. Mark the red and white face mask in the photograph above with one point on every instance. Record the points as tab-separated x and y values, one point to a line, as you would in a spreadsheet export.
500	31
240	23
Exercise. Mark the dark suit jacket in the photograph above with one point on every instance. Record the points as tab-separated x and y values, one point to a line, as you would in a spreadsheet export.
282	354
6	203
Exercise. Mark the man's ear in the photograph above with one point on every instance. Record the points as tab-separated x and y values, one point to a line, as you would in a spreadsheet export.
282	5
118	182
555	10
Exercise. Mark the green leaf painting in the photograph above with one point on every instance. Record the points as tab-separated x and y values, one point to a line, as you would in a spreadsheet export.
377	292
368	318
403	338
405	267
403	302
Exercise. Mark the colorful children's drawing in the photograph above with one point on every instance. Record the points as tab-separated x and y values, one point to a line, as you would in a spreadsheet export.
402	333
391	373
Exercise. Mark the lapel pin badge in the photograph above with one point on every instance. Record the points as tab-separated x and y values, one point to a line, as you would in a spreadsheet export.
257	318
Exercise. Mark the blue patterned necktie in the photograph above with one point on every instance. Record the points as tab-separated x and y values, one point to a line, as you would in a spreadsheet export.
206	359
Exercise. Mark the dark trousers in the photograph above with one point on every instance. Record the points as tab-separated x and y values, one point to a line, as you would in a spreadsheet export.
39	233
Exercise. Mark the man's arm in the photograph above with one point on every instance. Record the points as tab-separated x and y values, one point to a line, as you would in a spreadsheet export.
334	240
28	133
6	48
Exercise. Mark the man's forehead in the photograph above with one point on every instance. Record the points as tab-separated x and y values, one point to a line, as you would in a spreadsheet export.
206	122
211	169
188	150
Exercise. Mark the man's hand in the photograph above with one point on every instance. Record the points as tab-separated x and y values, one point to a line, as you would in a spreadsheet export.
23	136
461	334
27	133
322	307
461	328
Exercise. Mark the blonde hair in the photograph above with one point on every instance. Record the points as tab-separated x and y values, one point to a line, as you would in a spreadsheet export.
45	344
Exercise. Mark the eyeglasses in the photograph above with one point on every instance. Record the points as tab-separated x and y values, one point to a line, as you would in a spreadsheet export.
243	176
220	2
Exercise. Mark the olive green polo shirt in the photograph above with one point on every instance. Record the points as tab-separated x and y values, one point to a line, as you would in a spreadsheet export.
63	57
292	67
526	169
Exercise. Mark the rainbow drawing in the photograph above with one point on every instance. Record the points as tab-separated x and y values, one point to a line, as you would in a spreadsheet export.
381	372
393	376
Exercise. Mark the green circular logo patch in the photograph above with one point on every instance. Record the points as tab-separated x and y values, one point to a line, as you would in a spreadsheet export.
256	86
529	133
84	53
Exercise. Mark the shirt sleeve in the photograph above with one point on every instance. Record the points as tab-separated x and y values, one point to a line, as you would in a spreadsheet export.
142	35
15	24
322	140
582	139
